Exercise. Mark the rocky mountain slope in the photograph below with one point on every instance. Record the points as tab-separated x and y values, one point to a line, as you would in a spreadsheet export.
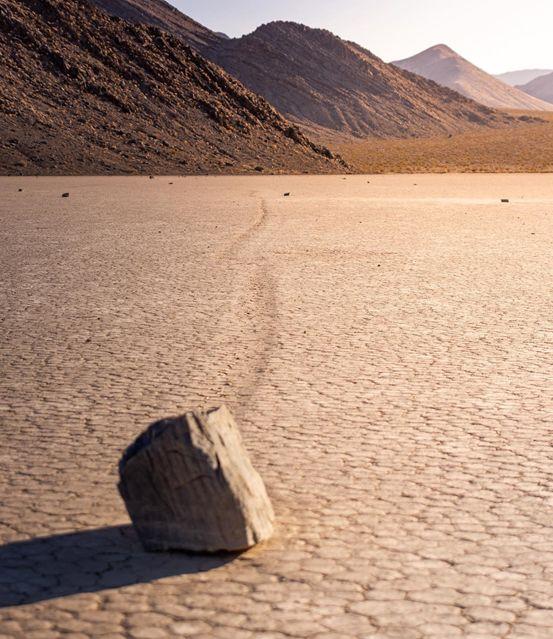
448	68
328	85
159	13
518	78
83	92
541	87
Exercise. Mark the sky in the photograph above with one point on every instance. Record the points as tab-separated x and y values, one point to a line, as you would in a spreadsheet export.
496	35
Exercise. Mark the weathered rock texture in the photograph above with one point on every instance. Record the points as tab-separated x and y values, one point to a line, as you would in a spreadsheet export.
188	484
159	13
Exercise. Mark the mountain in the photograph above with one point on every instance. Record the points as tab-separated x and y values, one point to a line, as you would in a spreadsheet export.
83	92
334	87
518	78
541	87
158	13
448	68
328	86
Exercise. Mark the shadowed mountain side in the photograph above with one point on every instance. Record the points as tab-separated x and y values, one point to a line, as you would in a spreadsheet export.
88	561
323	82
85	93
448	68
541	88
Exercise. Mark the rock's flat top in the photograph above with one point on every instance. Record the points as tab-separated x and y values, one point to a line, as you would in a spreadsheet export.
386	349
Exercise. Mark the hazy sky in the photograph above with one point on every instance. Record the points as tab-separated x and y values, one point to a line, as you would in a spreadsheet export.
497	35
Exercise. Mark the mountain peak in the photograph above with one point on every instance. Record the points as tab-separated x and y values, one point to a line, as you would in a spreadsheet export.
287	28
329	86
334	87
446	67
443	49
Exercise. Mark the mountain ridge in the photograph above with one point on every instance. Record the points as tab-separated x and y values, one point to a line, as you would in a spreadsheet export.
355	95
540	87
329	85
445	66
161	14
522	76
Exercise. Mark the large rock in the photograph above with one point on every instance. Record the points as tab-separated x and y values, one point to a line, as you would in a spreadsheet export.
188	484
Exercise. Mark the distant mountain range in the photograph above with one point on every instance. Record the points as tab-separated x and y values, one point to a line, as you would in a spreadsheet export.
541	87
448	68
332	88
84	93
519	78
115	86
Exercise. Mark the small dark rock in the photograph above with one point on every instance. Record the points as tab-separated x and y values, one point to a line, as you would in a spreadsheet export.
65	194
20	190
259	169
286	194
505	200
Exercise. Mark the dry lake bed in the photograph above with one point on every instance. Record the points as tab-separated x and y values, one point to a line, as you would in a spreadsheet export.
386	345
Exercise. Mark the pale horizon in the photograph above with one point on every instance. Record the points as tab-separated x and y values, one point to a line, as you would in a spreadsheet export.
498	36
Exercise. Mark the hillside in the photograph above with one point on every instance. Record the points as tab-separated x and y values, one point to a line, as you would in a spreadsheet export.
333	89
330	86
159	13
518	78
448	68
541	87
82	92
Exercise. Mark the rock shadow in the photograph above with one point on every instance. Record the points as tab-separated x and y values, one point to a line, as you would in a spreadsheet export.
88	561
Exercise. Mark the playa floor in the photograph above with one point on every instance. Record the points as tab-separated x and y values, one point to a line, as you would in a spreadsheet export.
386	345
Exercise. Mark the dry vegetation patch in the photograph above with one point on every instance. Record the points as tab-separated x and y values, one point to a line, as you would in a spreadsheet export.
522	149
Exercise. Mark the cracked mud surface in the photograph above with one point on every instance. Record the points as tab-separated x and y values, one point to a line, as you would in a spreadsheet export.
386	349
